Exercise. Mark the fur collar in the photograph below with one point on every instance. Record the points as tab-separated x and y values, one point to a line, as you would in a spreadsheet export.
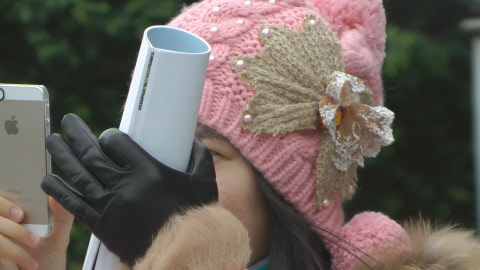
436	248
211	238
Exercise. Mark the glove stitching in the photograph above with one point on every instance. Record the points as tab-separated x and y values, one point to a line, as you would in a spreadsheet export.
80	199
96	144
76	157
128	167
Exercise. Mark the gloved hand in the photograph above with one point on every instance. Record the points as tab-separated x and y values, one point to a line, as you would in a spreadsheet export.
123	194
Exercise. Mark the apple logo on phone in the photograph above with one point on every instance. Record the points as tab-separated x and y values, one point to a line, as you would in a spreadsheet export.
11	126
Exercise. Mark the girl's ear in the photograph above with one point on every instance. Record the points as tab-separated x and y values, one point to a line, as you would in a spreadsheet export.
360	25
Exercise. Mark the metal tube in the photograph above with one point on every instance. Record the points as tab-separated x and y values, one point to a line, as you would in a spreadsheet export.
476	121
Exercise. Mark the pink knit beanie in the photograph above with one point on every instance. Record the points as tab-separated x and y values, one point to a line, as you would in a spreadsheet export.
289	160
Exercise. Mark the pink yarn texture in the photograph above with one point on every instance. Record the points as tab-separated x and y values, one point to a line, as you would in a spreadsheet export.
288	160
374	237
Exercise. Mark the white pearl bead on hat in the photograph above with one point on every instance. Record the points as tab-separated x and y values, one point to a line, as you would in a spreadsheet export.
247	118
240	64
351	190
325	203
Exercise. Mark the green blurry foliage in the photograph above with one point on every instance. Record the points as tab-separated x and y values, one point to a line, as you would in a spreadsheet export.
84	52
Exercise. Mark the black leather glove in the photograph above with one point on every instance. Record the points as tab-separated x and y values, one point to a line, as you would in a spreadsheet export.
122	193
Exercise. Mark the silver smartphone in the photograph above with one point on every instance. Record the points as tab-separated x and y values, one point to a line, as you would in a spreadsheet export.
24	161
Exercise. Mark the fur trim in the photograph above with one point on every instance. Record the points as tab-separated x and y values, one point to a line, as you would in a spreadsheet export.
205	238
443	248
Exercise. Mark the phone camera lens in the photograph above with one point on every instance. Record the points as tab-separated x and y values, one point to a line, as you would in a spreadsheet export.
2	94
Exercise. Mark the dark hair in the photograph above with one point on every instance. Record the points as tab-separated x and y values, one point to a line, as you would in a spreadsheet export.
295	245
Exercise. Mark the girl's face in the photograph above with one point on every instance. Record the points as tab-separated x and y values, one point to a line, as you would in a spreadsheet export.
238	190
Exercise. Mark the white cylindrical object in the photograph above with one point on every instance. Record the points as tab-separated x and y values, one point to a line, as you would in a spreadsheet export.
164	98
162	106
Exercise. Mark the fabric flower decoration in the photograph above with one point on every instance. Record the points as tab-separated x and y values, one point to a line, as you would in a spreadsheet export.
300	83
355	130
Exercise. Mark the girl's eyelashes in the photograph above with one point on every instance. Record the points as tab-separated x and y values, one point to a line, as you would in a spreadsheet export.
208	144
217	149
214	153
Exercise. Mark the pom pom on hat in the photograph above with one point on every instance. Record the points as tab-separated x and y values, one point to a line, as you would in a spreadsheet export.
377	240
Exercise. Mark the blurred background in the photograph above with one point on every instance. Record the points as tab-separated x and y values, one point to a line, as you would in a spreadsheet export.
84	52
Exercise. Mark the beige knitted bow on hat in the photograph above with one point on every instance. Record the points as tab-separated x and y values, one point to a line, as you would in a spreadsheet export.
319	95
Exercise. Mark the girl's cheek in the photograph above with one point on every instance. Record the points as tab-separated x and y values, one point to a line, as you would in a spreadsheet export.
224	192
215	158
